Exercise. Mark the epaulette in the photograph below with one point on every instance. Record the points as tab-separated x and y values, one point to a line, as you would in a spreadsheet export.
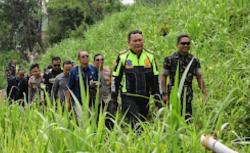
149	51
123	51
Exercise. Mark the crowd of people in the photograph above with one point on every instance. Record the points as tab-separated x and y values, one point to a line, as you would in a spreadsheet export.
135	78
57	81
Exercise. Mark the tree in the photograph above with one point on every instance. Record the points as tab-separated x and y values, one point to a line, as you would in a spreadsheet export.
152	2
71	18
20	25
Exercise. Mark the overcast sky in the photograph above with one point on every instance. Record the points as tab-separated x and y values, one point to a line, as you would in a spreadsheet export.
127	1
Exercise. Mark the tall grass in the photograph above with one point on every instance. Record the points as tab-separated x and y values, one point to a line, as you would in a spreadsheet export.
30	130
220	39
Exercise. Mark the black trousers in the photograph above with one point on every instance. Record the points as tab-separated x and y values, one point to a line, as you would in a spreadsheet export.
187	100
188	110
135	108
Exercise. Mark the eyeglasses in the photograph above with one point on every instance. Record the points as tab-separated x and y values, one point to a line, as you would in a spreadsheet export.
185	43
99	59
57	65
85	56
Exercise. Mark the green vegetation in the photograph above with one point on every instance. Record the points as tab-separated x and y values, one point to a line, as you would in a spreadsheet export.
67	16
33	25
220	32
20	25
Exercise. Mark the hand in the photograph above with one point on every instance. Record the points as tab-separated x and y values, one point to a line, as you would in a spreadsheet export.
158	105
69	108
112	106
52	80
157	100
165	99
93	84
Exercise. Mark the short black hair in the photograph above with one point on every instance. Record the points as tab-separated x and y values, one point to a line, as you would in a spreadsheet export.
98	54
133	32
182	36
56	58
79	53
34	66
49	66
67	62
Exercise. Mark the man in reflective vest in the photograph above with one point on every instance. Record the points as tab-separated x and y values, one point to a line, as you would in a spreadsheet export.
136	69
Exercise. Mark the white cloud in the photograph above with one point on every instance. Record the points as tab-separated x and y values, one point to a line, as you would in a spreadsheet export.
127	1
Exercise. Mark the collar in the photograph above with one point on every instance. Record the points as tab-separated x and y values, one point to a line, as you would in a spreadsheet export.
85	69
182	55
135	53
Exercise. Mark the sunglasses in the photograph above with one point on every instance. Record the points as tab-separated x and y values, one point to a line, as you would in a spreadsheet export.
99	59
185	43
57	65
85	56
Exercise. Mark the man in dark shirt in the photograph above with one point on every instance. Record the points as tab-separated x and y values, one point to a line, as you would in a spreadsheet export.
12	89
60	88
183	57
10	73
90	77
19	87
49	78
22	85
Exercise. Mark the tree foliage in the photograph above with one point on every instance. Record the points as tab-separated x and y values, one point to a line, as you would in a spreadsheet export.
152	2
20	24
67	16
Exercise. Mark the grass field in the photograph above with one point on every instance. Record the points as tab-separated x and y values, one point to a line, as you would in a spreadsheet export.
220	31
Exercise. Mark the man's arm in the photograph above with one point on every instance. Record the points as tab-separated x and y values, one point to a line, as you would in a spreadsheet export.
201	84
96	74
107	76
55	88
68	100
70	84
200	81
115	86
46	81
156	86
164	74
8	72
116	79
163	79
30	91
